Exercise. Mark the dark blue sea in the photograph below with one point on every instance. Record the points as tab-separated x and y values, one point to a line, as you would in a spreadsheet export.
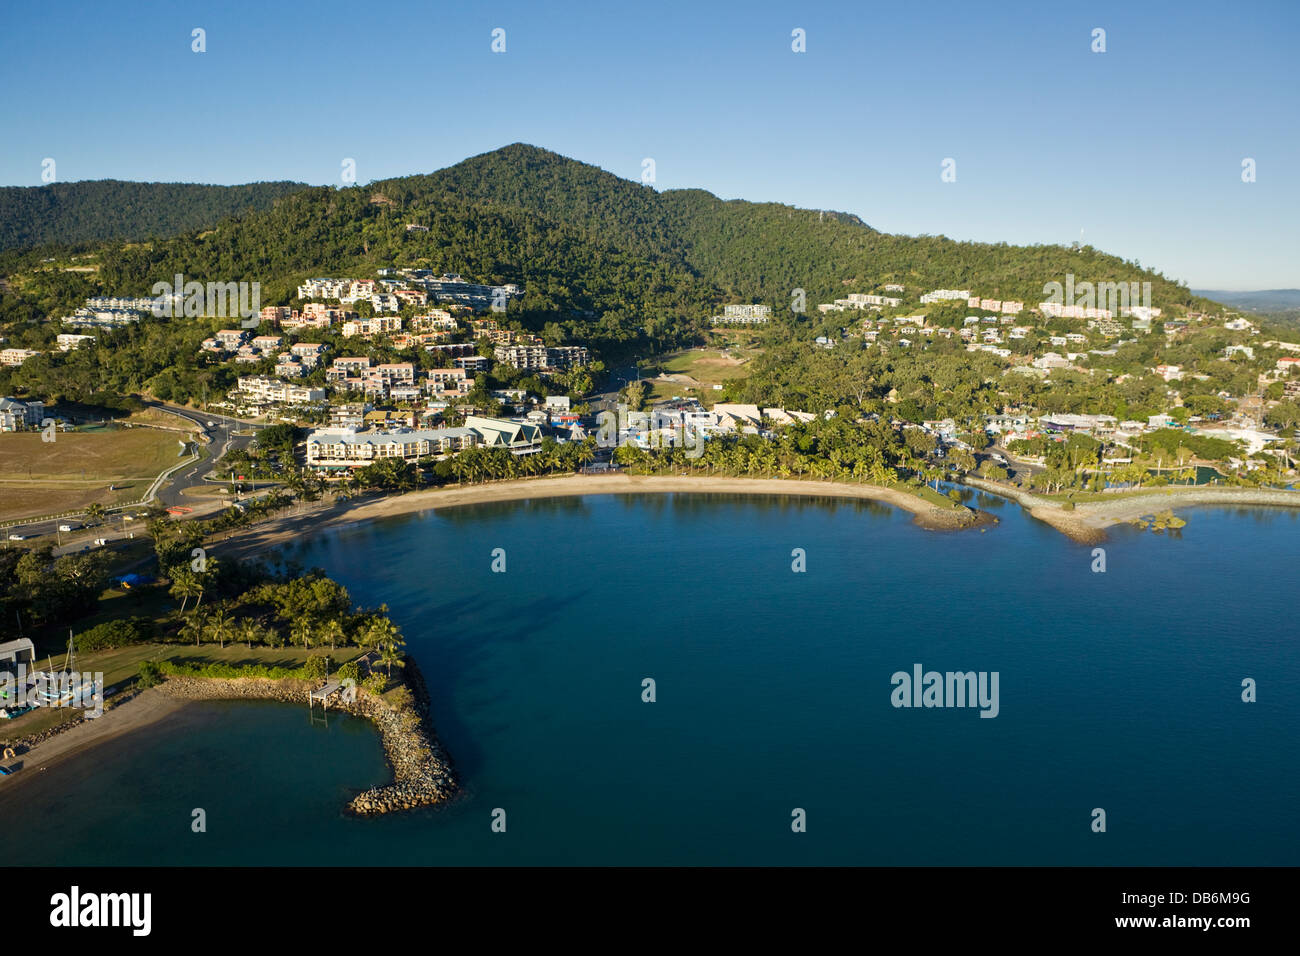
1119	690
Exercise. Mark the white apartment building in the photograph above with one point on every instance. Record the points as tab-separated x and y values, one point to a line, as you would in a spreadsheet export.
15	357
743	314
939	295
261	390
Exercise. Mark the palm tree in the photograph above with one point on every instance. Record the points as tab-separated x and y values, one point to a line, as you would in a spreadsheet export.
194	626
248	630
294	482
389	655
185	585
333	631
385	637
301	632
220	627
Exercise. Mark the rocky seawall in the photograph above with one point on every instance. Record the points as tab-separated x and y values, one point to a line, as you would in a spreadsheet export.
422	772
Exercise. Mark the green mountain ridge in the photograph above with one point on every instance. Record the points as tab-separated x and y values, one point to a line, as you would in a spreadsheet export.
111	209
601	257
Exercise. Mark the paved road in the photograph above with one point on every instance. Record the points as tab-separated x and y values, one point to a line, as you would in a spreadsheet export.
220	431
222	436
1019	472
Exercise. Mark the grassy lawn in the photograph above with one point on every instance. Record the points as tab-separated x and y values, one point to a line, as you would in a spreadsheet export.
663	391
1085	496
123	664
706	366
926	493
103	455
155	416
76	469
29	498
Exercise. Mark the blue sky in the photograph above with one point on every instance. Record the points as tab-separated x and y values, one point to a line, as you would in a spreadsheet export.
1140	147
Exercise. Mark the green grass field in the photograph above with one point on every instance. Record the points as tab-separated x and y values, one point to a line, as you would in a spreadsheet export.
926	493
703	368
99	455
706	366
76	469
123	664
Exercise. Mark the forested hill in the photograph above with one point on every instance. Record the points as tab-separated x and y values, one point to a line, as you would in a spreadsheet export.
765	250
588	246
93	211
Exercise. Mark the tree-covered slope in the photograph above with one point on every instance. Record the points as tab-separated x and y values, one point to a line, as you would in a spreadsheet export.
71	213
582	241
766	250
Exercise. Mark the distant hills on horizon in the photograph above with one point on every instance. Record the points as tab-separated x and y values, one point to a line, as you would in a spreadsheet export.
1264	301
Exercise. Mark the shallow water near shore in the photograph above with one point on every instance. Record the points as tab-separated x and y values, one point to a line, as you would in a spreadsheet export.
1119	690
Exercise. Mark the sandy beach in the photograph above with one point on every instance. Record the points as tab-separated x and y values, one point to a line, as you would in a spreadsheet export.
295	524
140	711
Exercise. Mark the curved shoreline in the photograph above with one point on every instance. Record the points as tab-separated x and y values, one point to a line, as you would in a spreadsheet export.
287	527
422	772
1088	521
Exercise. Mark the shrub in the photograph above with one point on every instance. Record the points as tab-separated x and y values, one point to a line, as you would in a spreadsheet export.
349	670
230	672
112	634
150	674
317	666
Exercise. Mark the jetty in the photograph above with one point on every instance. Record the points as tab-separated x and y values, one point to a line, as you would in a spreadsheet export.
324	693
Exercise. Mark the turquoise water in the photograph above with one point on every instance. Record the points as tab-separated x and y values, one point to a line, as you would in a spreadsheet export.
1119	690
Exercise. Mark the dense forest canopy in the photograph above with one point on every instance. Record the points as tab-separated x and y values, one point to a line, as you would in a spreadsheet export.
94	211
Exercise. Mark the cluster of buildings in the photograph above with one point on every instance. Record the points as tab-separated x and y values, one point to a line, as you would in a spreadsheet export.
684	421
242	345
409	287
255	393
433	329
335	450
454	289
66	342
542	358
99	318
1108	428
16	416
860	300
110	312
744	314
